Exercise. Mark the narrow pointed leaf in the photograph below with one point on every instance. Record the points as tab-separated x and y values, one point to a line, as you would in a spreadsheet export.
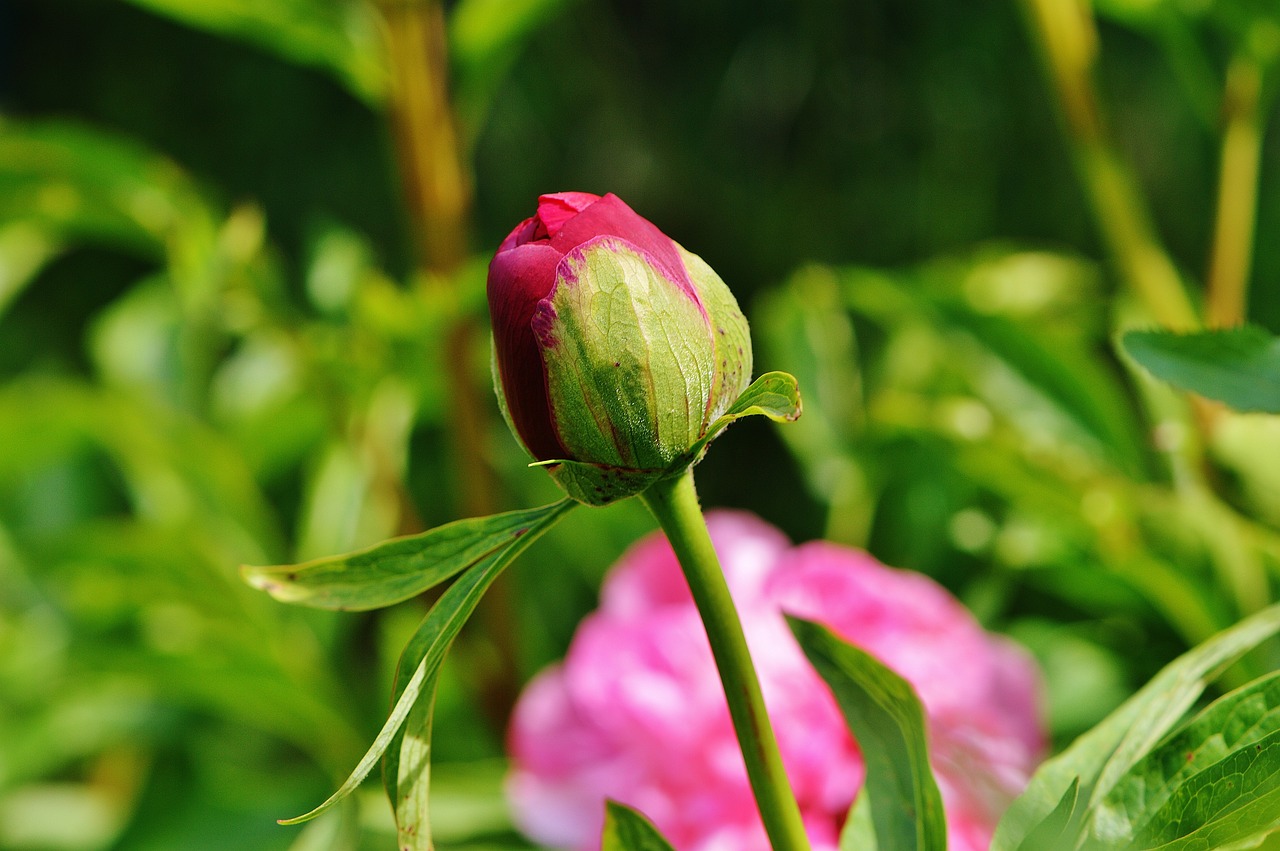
626	829
1238	366
1101	757
407	762
397	569
887	720
433	637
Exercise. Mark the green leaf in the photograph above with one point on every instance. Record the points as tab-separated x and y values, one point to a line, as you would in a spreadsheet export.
428	646
340	36
1066	377
1232	804
859	833
395	570
626	829
1056	832
1233	723
1237	366
886	718
774	395
24	250
1099	759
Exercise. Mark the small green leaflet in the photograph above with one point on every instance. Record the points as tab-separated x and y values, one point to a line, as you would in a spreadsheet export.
432	640
1238	366
774	395
395	570
1103	758
886	718
627	830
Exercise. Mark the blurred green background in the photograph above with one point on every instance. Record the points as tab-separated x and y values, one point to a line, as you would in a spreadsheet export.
242	257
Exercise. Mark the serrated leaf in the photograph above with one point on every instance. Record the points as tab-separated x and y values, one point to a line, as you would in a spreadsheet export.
431	640
1237	366
1233	722
395	570
887	720
1101	757
774	395
626	829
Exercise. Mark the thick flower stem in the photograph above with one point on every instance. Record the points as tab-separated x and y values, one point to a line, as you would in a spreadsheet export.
674	502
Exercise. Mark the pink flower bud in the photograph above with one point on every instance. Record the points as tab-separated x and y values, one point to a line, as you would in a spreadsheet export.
613	346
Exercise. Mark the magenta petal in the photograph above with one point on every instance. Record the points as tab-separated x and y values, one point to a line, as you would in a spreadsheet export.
518	279
610	216
554	210
519	235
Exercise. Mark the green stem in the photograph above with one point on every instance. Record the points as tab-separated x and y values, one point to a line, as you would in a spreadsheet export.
1064	32
1228	278
674	502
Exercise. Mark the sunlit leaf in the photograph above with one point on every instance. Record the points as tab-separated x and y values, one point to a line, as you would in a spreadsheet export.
395	570
24	250
887	720
1238	366
1234	803
1099	759
626	829
1236	722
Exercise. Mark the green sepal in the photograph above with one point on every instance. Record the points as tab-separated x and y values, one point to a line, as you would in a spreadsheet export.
629	358
730	336
626	829
775	395
600	484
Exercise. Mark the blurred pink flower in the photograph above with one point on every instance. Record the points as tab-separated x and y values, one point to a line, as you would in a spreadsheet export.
636	712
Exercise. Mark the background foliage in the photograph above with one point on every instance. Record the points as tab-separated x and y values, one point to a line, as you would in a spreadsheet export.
242	321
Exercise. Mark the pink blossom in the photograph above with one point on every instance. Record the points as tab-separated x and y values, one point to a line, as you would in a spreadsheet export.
636	712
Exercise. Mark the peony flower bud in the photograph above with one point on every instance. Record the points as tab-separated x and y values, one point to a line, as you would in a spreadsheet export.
614	348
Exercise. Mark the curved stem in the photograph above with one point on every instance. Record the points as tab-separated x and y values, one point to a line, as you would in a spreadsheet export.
674	502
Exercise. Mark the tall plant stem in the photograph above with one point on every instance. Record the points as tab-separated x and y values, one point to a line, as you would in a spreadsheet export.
1228	278
674	502
437	191
1063	30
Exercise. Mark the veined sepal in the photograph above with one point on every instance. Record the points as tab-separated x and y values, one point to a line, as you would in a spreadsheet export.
774	395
